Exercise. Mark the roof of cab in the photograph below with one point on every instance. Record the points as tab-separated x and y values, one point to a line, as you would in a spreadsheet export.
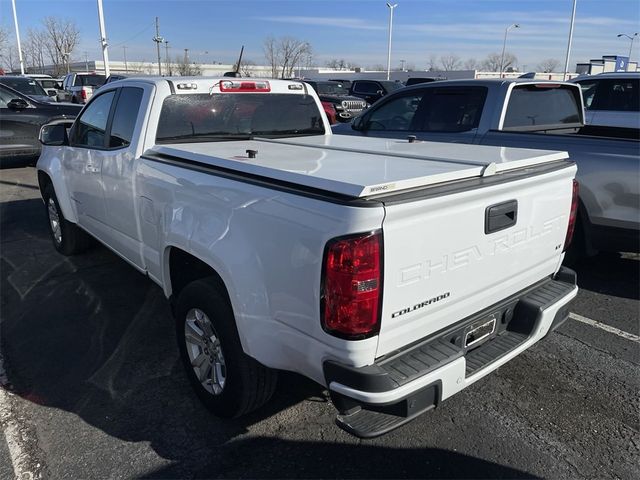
204	84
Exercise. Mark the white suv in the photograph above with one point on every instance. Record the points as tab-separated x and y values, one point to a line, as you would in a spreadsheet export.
612	99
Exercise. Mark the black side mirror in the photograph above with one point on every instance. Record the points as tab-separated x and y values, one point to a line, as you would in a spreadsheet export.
54	134
357	123
17	104
52	93
380	93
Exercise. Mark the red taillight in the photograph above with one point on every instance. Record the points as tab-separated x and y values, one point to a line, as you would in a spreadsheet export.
83	93
351	291
330	110
573	216
242	86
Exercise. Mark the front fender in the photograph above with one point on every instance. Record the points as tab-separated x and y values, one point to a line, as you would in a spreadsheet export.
50	163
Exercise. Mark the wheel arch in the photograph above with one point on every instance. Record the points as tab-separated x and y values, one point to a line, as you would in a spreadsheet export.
50	172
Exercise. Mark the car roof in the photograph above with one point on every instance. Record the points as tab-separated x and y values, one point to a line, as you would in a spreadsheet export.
618	75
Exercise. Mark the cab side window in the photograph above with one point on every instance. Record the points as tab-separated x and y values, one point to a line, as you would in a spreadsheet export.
90	128
395	115
125	116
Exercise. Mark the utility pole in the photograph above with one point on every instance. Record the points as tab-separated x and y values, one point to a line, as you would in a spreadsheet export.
158	39
166	58
124	51
86	62
103	40
187	68
566	62
15	21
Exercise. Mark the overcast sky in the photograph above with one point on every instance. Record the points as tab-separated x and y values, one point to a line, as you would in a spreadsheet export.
355	30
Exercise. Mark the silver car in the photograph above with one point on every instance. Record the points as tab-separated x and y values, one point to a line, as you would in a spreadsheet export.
611	99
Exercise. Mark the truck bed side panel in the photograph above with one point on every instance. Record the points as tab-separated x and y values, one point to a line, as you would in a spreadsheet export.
267	246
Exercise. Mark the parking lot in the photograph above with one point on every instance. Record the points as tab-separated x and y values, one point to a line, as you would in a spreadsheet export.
93	387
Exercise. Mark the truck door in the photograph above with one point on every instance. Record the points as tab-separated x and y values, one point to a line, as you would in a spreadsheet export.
118	170
83	162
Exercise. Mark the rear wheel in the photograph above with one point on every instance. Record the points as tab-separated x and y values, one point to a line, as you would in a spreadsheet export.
67	237
229	382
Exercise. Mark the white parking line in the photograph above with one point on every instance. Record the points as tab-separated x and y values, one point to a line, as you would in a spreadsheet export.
605	327
12	434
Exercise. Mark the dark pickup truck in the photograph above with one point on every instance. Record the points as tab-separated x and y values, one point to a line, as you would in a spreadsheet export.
373	90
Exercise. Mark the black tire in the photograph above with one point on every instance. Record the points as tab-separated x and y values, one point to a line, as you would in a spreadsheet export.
71	239
247	384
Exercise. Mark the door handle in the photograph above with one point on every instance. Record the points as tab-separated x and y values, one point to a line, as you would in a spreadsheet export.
92	166
500	216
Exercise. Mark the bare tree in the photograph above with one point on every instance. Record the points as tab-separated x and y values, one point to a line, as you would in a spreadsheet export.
470	64
548	65
492	62
246	67
341	64
433	62
450	62
185	68
62	37
285	54
35	49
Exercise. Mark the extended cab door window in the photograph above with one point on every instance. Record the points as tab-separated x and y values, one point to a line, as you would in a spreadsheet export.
91	127
125	116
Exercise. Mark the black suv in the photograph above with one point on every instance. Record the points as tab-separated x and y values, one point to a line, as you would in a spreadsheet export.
337	94
373	90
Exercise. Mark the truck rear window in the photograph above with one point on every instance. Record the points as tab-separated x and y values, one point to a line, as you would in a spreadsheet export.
89	80
228	116
533	107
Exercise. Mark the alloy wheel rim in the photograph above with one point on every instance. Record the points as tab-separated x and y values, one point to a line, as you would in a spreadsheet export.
205	351
54	221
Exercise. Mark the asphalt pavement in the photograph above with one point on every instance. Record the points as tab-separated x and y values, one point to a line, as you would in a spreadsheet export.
92	387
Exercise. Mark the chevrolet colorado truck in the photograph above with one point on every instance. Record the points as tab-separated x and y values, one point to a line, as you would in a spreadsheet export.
393	273
527	113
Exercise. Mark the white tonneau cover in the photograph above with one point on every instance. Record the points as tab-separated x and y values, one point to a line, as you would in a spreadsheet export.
358	166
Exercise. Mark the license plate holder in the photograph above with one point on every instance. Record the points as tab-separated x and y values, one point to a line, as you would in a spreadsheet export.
479	331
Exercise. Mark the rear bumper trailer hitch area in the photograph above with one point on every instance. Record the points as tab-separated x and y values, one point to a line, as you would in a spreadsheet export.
401	385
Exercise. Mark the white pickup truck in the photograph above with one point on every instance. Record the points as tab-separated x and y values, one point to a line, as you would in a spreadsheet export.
393	273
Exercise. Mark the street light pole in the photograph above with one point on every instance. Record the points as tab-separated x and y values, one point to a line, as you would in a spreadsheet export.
124	51
630	37
504	45
573	20
158	39
103	40
15	21
166	57
391	7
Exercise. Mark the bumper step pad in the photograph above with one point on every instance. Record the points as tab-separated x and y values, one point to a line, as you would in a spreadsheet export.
515	318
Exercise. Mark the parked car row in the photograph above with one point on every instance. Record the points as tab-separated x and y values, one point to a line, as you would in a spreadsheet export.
21	117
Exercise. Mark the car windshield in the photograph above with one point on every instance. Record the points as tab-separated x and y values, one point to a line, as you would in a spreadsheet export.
229	116
26	86
331	88
90	80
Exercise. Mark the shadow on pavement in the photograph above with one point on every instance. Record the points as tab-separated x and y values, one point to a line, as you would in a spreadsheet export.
611	274
274	458
91	336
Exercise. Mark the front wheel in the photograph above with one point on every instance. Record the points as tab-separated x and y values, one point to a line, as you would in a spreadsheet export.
67	237
228	381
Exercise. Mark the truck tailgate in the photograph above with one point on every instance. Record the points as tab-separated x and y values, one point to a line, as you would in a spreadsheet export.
450	256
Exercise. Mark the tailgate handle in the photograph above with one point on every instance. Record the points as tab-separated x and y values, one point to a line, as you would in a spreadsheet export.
500	216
